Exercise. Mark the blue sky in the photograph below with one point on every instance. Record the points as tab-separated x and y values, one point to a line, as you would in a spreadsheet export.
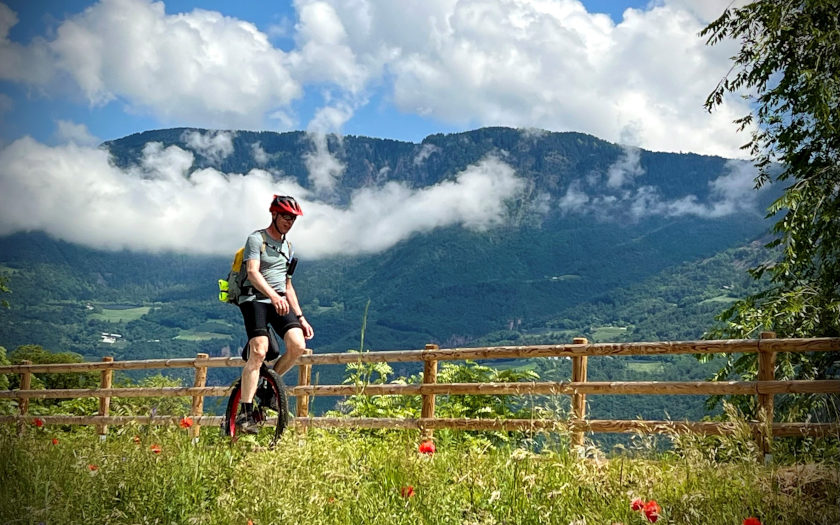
75	73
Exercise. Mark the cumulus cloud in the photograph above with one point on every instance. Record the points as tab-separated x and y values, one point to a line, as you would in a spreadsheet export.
553	65
71	132
198	68
547	64
30	64
325	52
158	205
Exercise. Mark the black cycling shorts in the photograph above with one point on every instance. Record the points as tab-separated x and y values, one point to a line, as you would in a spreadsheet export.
258	316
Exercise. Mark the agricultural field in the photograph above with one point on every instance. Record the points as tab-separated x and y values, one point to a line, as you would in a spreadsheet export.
119	313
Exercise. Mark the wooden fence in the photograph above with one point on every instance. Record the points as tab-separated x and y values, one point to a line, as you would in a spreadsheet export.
579	351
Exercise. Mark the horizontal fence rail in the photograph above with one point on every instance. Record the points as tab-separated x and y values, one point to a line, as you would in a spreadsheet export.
725	346
765	388
521	388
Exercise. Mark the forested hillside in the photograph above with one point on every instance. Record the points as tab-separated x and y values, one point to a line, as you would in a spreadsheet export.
616	267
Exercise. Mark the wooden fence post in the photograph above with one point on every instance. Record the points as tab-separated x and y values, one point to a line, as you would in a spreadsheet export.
430	368
304	379
578	400
105	381
25	384
766	372
197	408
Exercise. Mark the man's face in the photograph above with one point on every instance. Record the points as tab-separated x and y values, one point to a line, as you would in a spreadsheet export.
284	221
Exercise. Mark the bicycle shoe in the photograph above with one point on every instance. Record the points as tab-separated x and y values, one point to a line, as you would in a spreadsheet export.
247	424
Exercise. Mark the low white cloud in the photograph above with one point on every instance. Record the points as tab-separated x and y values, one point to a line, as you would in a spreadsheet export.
731	192
377	218
425	152
325	170
258	153
77	194
215	146
625	169
575	199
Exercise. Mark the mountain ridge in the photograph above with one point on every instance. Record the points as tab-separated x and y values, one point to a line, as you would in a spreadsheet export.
545	157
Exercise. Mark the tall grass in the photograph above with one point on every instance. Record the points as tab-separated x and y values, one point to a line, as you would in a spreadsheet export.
363	477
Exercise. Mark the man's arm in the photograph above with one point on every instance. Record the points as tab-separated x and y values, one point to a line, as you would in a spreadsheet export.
291	296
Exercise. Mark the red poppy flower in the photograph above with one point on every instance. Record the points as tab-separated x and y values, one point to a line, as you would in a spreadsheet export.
752	521
136	440
93	468
427	447
186	422
155	448
652	510
407	491
38	422
55	441
637	504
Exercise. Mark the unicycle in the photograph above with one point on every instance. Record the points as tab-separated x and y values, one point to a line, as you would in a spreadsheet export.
271	405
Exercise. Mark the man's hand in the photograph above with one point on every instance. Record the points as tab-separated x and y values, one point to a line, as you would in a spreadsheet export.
280	304
308	332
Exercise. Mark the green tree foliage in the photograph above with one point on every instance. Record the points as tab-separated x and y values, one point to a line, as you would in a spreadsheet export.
38	355
788	68
4	380
128	406
483	406
7	406
470	406
4	288
361	374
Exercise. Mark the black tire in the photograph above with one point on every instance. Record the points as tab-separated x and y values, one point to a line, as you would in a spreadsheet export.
270	391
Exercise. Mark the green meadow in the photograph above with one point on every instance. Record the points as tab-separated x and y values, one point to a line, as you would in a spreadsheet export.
150	475
120	315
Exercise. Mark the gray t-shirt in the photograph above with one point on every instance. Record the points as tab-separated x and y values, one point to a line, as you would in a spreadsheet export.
274	259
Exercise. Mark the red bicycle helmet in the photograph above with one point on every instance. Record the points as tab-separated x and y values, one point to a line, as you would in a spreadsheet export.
285	204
